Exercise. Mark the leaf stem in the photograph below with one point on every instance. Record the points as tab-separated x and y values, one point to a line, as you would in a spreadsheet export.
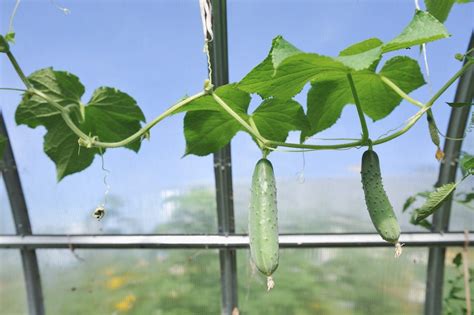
360	112
18	70
400	92
13	89
449	83
239	119
254	127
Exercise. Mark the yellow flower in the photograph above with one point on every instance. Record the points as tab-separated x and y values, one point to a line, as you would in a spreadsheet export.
126	303
115	282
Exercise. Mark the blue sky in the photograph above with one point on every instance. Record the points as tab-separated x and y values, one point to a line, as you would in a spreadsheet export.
153	51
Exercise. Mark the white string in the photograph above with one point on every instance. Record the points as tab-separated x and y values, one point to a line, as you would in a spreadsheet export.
425	57
66	11
206	19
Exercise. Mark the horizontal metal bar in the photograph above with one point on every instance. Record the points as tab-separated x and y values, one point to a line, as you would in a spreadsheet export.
222	241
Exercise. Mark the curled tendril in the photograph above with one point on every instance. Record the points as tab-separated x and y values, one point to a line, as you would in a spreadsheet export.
87	142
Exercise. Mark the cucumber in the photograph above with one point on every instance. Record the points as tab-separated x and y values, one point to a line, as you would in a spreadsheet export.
378	205
263	220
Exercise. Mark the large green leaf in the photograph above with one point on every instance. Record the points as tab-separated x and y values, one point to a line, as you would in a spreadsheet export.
207	127
439	8
61	145
295	71
113	115
362	55
275	118
62	87
434	201
327	98
258	79
423	28
110	115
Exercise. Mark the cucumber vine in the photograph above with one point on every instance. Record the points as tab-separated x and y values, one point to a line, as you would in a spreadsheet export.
77	131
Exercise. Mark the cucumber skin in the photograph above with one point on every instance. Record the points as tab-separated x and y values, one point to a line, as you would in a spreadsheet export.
263	218
378	205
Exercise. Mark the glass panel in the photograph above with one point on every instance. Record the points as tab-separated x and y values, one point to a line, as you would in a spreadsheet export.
121	44
462	214
133	281
337	281
330	199
12	284
454	301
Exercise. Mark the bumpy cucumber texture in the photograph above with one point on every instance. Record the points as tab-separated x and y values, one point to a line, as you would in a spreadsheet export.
380	209
263	220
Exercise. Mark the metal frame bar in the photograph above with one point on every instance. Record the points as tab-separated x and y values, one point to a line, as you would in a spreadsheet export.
356	240
447	174
222	164
34	292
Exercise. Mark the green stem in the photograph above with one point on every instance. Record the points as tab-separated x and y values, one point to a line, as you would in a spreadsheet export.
400	92
254	127
13	89
95	143
18	69
360	112
316	147
171	110
239	119
448	84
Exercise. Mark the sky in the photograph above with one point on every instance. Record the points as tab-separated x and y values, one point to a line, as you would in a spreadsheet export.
152	50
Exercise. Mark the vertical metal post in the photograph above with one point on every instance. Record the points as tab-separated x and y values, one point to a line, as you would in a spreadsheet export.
447	174
222	164
31	272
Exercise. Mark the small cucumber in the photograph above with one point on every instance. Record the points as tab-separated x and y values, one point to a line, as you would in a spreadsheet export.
380	209
263	220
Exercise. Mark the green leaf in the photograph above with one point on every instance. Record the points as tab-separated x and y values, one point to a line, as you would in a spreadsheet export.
326	99
111	115
61	145
274	118
410	200
3	143
467	164
434	201
208	131
439	9
4	46
362	55
295	71
62	87
467	198
457	260
10	37
423	28
259	78
460	104
207	127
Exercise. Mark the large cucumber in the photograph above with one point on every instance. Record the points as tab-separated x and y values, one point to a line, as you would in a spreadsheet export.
263	220
380	209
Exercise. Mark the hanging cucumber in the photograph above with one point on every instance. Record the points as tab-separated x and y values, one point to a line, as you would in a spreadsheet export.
378	205
263	220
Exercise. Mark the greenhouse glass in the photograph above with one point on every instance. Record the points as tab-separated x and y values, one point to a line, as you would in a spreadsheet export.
174	235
